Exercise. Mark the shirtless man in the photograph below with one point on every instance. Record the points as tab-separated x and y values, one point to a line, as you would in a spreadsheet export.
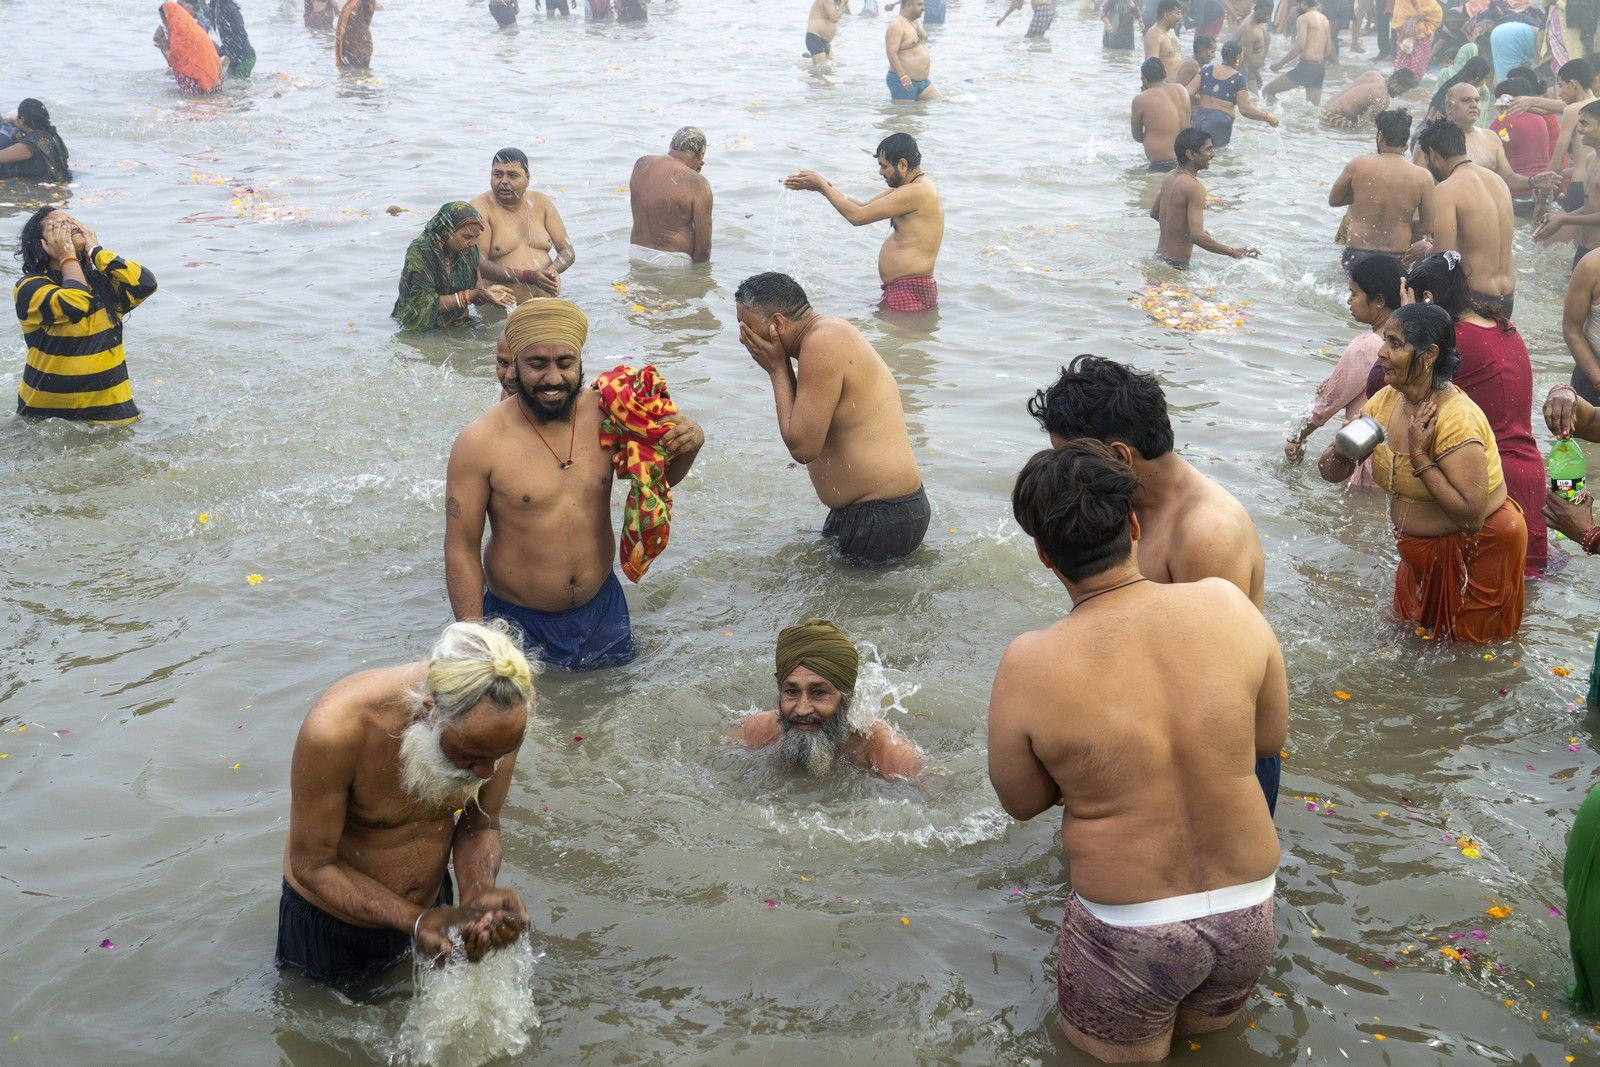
520	227
671	204
1161	39
1140	714
906	44
1254	35
1180	206
1574	86
1312	47
813	727
1472	215
1361	100
839	413
321	14
916	221
505	367
1583	224
1161	109
1390	198
548	567
1205	50
1461	108
822	24
385	763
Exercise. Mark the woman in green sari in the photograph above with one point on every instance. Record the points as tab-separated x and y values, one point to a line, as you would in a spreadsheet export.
440	281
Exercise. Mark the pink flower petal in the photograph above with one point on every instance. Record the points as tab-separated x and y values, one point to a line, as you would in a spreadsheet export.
577	739
1555	912
108	943
1311	805
1480	935
61	733
1018	893
769	902
1527	766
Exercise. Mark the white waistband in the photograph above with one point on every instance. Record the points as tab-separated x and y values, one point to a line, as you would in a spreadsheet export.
655	257
1189	906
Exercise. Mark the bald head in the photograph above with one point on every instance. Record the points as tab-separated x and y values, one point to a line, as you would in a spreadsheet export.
1461	105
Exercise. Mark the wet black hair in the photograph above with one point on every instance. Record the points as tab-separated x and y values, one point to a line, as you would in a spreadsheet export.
772	294
1075	501
900	146
1444	137
1514	87
1203	40
1153	70
35	260
1577	70
1592	109
1231	52
512	155
1166	6
1443	278
1404	79
1394	126
35	114
1188	142
1529	75
1379	278
1424	326
1106	400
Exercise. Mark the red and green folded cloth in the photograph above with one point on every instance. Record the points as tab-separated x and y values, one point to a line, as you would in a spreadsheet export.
635	413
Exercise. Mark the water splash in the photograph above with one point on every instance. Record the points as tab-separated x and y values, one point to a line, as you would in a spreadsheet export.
876	695
465	1014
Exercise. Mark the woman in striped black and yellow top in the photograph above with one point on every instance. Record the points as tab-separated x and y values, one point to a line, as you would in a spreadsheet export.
71	302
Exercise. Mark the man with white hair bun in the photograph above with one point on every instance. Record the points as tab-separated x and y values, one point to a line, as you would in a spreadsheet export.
399	773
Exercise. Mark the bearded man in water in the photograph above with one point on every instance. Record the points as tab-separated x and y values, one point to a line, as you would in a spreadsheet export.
813	729
397	774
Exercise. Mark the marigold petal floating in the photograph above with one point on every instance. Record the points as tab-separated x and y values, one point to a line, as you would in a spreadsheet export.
204	517
904	921
1340	694
1470	852
253	579
1499	911
1560	672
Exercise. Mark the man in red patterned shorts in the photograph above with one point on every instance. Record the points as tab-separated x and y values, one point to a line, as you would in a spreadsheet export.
915	214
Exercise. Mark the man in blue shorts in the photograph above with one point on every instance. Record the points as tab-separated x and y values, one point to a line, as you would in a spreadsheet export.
534	467
906	44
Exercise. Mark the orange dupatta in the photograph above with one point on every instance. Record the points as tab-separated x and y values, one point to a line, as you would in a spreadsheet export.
190	53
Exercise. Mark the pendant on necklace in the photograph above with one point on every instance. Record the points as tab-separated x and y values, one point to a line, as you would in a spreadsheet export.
567	464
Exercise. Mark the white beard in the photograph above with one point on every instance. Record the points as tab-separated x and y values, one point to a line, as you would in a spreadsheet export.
426	775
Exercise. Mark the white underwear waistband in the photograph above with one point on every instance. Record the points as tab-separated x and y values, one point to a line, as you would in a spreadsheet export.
1182	909
655	257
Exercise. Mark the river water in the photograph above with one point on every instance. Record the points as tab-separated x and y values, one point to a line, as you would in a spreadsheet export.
691	903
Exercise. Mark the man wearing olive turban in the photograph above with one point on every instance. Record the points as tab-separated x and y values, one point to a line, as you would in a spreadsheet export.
535	469
813	727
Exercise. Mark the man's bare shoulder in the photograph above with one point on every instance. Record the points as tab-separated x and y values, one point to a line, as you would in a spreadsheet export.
348	708
483	430
1213	509
541	202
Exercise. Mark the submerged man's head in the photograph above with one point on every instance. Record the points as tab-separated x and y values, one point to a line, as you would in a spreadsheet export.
816	667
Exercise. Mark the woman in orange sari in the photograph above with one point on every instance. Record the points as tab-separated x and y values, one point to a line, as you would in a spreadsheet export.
188	50
1461	538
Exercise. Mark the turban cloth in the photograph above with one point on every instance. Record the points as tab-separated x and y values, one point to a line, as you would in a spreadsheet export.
546	319
635	413
824	648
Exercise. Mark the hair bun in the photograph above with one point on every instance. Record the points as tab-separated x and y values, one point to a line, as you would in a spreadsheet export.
505	667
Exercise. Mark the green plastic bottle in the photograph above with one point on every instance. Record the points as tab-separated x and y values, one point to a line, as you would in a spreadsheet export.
1566	467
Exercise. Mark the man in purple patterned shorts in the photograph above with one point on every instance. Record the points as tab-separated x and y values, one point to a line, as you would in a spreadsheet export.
1141	714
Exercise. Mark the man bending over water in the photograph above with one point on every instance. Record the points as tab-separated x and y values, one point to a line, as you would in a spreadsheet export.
839	413
1180	206
397	774
1147	746
813	727
520	227
916	221
671	204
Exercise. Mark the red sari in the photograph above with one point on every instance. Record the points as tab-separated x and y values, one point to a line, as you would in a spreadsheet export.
1496	374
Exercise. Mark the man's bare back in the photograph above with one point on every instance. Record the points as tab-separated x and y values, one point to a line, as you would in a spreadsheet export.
1313	25
1385	193
671	204
1159	112
1359	101
1473	215
1151	744
551	539
1200	530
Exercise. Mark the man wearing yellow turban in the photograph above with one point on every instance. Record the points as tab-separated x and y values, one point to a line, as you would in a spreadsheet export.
533	468
813	727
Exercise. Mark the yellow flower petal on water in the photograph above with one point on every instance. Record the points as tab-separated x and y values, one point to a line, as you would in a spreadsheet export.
253	579
1340	694
1560	672
1544	1016
637	308
234	767
1379	1037
1449	953
204	517
1194	1046
5	755
1471	852
1510	1003
904	921
1499	911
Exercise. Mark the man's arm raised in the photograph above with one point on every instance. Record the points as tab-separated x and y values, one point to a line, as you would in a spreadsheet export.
1022	783
806	399
887	205
466	508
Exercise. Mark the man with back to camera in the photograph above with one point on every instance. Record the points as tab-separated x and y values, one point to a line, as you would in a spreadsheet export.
1190	527
839	413
520	228
1313	46
671	202
1180	207
398	774
1160	110
813	727
1389	197
1472	215
916	221
1147	746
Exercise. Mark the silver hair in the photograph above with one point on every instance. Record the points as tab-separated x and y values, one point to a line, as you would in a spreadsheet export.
690	139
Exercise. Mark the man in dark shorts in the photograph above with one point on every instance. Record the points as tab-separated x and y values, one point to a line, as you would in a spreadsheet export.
821	25
397	773
1313	45
839	413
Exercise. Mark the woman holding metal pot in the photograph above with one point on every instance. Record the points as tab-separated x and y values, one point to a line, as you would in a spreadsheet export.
1461	538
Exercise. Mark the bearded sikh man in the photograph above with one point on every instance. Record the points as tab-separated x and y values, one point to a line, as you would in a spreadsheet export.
813	727
399	773
533	466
